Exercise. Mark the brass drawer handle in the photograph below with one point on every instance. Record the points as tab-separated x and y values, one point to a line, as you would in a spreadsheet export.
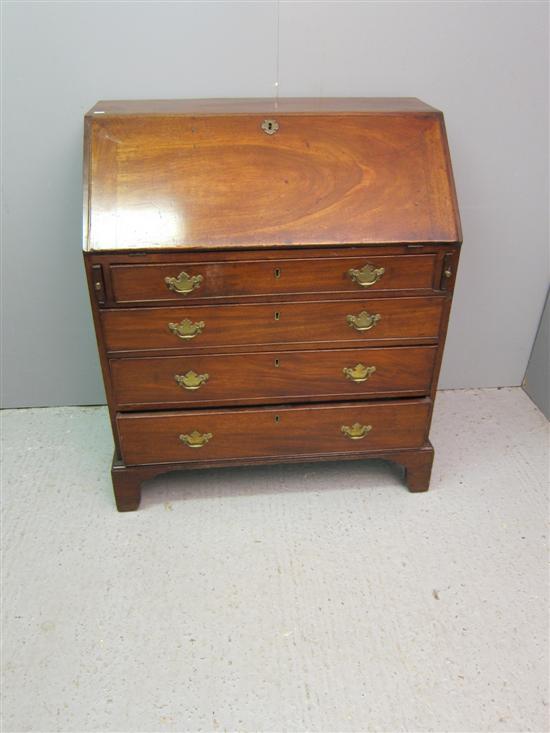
191	380
186	329
364	321
183	283
367	275
196	439
359	373
356	431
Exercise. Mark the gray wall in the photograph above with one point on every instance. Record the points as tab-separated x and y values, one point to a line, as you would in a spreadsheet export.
484	64
537	376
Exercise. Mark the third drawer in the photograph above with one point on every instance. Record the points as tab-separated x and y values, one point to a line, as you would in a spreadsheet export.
271	377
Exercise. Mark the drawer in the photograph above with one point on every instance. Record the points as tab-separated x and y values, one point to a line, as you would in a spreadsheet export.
226	434
269	377
196	280
196	327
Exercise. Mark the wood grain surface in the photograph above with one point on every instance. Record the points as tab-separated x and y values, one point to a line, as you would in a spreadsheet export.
135	283
271	377
248	433
218	180
284	323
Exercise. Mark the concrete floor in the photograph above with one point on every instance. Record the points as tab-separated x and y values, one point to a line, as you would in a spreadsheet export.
297	598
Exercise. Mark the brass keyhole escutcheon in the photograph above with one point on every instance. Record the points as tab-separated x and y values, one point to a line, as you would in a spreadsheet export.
277	418
277	316
277	273
277	362
270	127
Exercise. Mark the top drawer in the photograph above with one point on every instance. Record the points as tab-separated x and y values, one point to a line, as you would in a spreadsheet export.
192	280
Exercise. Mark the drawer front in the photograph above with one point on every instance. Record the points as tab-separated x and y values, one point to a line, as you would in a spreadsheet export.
198	436
271	376
197	327
192	280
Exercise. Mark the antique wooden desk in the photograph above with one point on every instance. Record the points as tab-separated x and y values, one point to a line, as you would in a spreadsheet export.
270	281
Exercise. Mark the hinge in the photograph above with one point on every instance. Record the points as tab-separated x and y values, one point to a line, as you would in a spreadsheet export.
98	284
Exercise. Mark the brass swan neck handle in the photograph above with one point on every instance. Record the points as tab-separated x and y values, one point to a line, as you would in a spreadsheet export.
359	373
186	329
191	380
367	275
196	439
183	283
356	431
364	321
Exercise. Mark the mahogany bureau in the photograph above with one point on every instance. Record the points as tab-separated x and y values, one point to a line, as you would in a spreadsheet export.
270	280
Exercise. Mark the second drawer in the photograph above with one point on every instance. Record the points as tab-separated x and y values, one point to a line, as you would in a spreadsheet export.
271	377
226	326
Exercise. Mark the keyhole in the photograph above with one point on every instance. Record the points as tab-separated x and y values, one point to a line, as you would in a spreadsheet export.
277	315
277	273
276	362
270	127
277	418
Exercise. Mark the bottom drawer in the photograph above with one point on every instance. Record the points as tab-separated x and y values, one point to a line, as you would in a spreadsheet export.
225	434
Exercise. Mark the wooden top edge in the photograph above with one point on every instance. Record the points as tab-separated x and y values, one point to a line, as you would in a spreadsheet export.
263	105
231	247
